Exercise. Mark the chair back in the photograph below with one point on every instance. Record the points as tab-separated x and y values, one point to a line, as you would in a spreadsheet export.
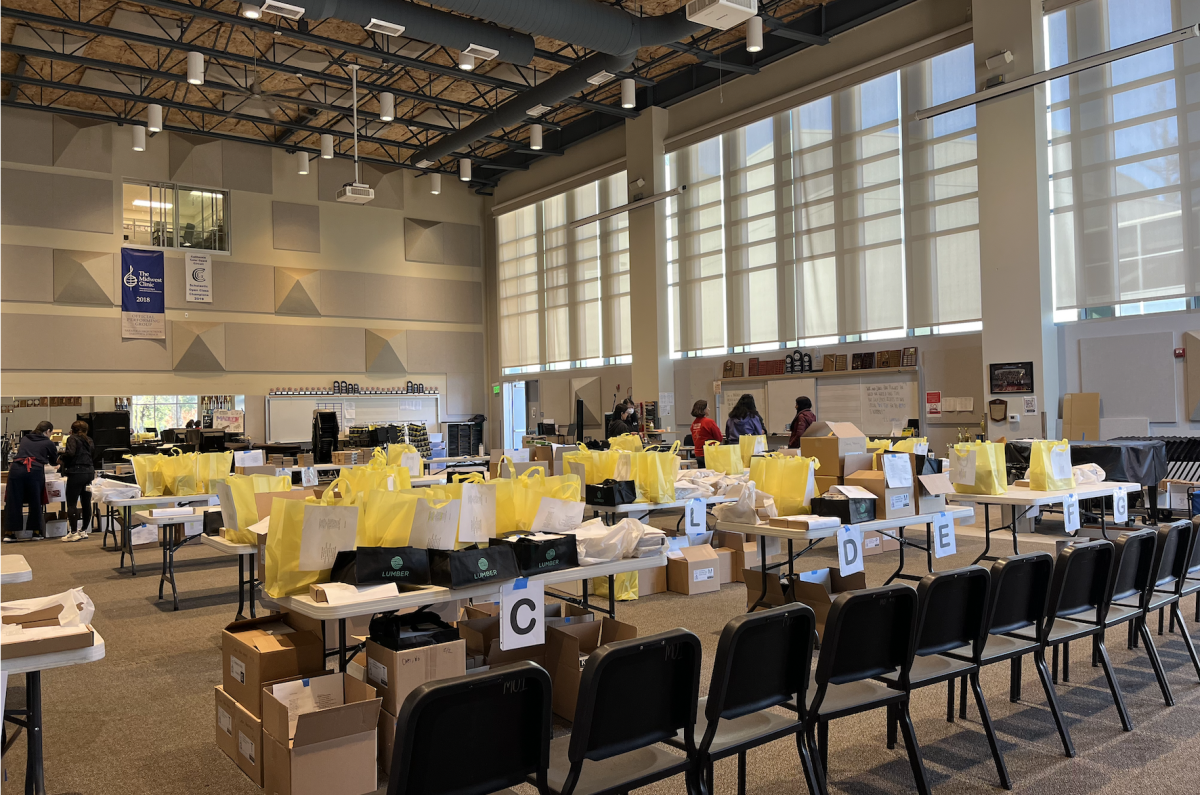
1175	541
507	707
951	609
635	693
1134	565
1080	582
1193	566
868	633
1020	589
763	659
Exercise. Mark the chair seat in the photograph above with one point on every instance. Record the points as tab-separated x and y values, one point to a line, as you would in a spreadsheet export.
1066	629
933	668
739	732
1002	647
1190	586
851	697
613	773
1118	612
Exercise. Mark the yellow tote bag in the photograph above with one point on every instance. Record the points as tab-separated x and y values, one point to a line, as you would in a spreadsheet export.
148	473
655	475
285	534
725	458
586	458
529	488
213	466
748	444
265	483
1050	466
241	487
626	586
179	474
978	468
386	519
908	445
790	479
626	441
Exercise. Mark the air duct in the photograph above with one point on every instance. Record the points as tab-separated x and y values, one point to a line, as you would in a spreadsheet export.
426	24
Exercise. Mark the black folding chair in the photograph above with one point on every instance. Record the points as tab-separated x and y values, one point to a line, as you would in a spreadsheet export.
509	706
633	694
1191	583
868	634
952	606
1019	594
763	661
1174	583
1133	582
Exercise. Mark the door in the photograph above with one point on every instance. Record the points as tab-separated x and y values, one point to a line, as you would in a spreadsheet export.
515	414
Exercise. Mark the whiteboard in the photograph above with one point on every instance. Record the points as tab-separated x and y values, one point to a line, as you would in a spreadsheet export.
781	402
1120	367
289	419
868	401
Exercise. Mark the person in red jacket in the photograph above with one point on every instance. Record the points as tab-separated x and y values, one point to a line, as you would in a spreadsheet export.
703	429
804	418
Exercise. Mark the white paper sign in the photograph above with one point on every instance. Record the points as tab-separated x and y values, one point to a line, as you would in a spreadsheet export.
855	492
962	467
1030	404
1071	513
850	542
308	476
760	445
233	420
944	542
435	524
1120	507
199	272
557	516
1060	464
921	448
348	411
412	462
327	530
477	522
897	471
695	521
224	494
248	458
522	614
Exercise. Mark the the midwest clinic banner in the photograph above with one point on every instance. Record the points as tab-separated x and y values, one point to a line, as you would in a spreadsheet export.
143	305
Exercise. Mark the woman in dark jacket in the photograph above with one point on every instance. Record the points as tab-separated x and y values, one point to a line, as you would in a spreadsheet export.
79	469
804	418
27	480
624	419
744	420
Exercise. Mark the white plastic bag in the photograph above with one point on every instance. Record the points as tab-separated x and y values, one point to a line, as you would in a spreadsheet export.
77	608
599	543
105	490
1088	474
744	510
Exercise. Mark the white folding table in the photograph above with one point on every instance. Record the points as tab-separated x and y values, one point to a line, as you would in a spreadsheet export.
14	569
169	546
611	512
247	569
126	508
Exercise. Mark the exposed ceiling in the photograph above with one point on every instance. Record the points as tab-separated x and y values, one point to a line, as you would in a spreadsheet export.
278	82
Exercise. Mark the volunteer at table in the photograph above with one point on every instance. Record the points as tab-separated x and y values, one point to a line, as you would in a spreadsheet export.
744	420
804	418
27	480
624	419
79	469
703	429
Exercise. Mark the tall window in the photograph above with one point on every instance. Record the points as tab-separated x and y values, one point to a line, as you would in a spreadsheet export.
161	411
840	217
564	292
164	215
1123	156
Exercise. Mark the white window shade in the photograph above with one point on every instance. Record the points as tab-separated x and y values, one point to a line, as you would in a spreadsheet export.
520	291
696	248
614	253
1124	157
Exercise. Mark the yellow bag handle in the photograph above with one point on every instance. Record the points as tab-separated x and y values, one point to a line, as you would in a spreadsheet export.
675	447
512	470
176	451
327	495
711	443
469	477
540	471
583	448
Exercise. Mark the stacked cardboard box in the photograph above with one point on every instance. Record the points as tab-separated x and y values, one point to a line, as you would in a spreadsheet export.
1081	416
836	445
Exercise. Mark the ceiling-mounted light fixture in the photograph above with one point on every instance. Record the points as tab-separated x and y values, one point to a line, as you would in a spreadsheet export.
754	34
386	28
537	110
466	61
387	106
464	169
628	95
282	9
302	163
435	184
139	138
251	11
154	118
326	146
195	68
535	136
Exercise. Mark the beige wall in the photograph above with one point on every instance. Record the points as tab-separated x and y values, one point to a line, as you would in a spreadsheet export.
388	292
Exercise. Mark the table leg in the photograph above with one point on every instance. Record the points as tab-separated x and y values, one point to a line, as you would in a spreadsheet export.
612	596
35	771
987	534
899	568
252	576
241	588
127	533
343	662
929	545
1104	521
162	578
762	567
791	560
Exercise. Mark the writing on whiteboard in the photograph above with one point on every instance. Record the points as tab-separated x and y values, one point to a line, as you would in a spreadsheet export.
887	401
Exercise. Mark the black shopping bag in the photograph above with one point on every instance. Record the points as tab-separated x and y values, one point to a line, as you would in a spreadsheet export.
405	566
611	493
540	556
460	568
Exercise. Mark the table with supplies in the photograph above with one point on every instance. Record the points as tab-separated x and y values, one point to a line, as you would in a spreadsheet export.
174	537
247	569
611	513
126	509
1023	502
14	569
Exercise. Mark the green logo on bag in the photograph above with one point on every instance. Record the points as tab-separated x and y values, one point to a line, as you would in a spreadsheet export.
550	554
397	562
483	564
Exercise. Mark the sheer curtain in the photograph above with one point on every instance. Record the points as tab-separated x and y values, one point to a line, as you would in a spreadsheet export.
1123	155
520	287
696	248
614	258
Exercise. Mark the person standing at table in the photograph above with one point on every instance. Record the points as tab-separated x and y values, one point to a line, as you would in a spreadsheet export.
27	480
804	418
80	469
624	419
744	420
703	429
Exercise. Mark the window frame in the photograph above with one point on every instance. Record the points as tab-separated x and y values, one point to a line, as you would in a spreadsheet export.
175	188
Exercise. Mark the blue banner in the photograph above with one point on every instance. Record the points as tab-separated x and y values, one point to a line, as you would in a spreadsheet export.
143	303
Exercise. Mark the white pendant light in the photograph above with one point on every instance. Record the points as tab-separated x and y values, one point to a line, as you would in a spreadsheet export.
464	169
387	106
466	61
754	34
628	97
302	163
535	136
435	184
326	146
139	138
195	68
250	11
154	118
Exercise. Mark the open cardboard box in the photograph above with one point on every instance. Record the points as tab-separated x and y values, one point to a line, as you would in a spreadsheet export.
830	442
696	572
890	503
482	636
395	674
239	735
819	588
566	651
932	491
256	651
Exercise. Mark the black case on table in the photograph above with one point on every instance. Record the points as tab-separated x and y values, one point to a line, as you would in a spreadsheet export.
460	568
539	557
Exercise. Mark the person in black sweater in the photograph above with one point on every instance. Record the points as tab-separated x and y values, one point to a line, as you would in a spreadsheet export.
80	469
27	480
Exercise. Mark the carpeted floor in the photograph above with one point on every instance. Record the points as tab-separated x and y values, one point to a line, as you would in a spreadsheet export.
141	720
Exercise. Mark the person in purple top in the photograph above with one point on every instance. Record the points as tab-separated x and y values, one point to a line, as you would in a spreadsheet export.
744	420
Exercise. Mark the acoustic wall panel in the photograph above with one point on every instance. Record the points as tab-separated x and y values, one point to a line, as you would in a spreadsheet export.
196	160
296	227
70	342
27	273
386	351
445	351
56	201
262	347
464	393
237	287
84	144
84	277
344	294
462	244
1191	371
27	137
379	295
423	240
246	167
197	347
1134	374
442	243
297	291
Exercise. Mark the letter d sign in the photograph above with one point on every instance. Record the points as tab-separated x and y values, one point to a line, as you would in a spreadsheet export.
849	541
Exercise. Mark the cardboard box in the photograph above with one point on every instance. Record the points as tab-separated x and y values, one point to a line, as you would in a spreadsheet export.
1081	416
565	649
226	709
829	442
889	503
330	751
932	491
395	674
1172	494
256	651
652	581
824	484
753	579
387	740
695	572
876	543
724	565
745	551
482	636
248	745
819	588
71	638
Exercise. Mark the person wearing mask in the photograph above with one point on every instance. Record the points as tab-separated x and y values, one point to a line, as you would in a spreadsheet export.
703	429
27	480
80	469
744	420
804	418
624	419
